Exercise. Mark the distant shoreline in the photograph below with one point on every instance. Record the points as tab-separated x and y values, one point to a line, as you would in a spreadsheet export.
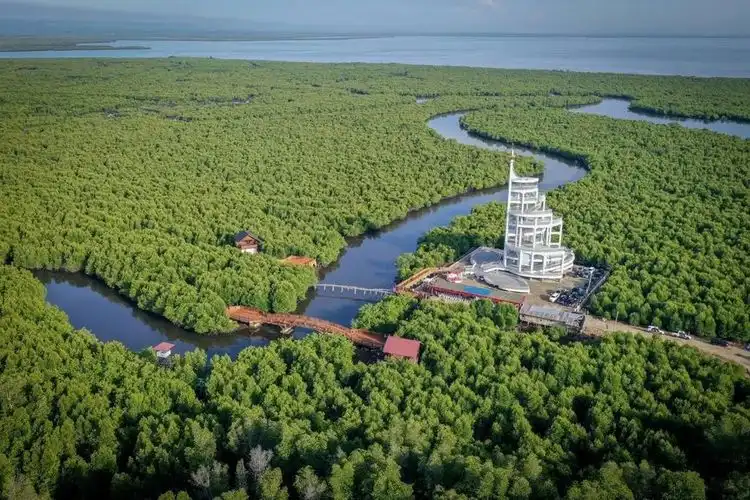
39	44
63	43
65	48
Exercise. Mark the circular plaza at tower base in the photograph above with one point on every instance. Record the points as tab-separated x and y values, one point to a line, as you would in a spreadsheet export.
487	265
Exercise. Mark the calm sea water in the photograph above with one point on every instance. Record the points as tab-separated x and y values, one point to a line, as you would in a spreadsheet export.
673	56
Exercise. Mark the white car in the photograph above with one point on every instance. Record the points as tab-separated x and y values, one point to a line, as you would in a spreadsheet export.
655	329
683	335
554	296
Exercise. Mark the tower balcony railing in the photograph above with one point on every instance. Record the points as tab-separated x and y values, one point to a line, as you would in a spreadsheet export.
524	188
536	213
523	200
568	259
550	250
523	180
542	224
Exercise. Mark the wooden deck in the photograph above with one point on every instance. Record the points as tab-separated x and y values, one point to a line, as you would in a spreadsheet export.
253	316
409	283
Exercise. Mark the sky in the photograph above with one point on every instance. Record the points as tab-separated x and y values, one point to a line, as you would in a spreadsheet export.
685	17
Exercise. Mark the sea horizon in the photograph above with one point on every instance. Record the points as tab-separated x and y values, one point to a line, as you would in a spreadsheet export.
684	56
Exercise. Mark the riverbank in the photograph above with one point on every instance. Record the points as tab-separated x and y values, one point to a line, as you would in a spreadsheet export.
369	261
306	166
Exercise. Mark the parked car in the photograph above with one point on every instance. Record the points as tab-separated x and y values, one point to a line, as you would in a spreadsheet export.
684	335
718	341
554	296
655	329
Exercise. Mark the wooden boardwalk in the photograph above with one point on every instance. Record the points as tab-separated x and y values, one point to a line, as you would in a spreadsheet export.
254	316
409	283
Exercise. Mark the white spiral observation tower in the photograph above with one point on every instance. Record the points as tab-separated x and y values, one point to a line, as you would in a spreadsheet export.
533	234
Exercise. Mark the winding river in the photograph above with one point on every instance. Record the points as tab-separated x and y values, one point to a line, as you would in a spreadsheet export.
620	108
369	261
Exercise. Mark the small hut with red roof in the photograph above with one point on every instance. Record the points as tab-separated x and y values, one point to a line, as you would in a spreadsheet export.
163	350
398	347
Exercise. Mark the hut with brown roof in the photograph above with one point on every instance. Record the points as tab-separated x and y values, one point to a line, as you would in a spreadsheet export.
247	242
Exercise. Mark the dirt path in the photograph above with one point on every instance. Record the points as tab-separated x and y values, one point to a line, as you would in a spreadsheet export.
599	326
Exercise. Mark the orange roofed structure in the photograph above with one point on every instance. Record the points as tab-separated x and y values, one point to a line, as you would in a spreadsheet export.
402	348
296	260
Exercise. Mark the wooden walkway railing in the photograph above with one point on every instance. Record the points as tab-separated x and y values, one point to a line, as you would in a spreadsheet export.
410	282
253	316
353	292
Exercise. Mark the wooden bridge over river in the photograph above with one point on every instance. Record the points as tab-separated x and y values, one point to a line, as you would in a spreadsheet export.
353	292
254	316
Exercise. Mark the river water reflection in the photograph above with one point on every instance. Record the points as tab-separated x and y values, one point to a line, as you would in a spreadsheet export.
90	304
368	261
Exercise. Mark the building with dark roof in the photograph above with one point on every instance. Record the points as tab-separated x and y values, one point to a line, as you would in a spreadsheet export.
247	242
552	316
